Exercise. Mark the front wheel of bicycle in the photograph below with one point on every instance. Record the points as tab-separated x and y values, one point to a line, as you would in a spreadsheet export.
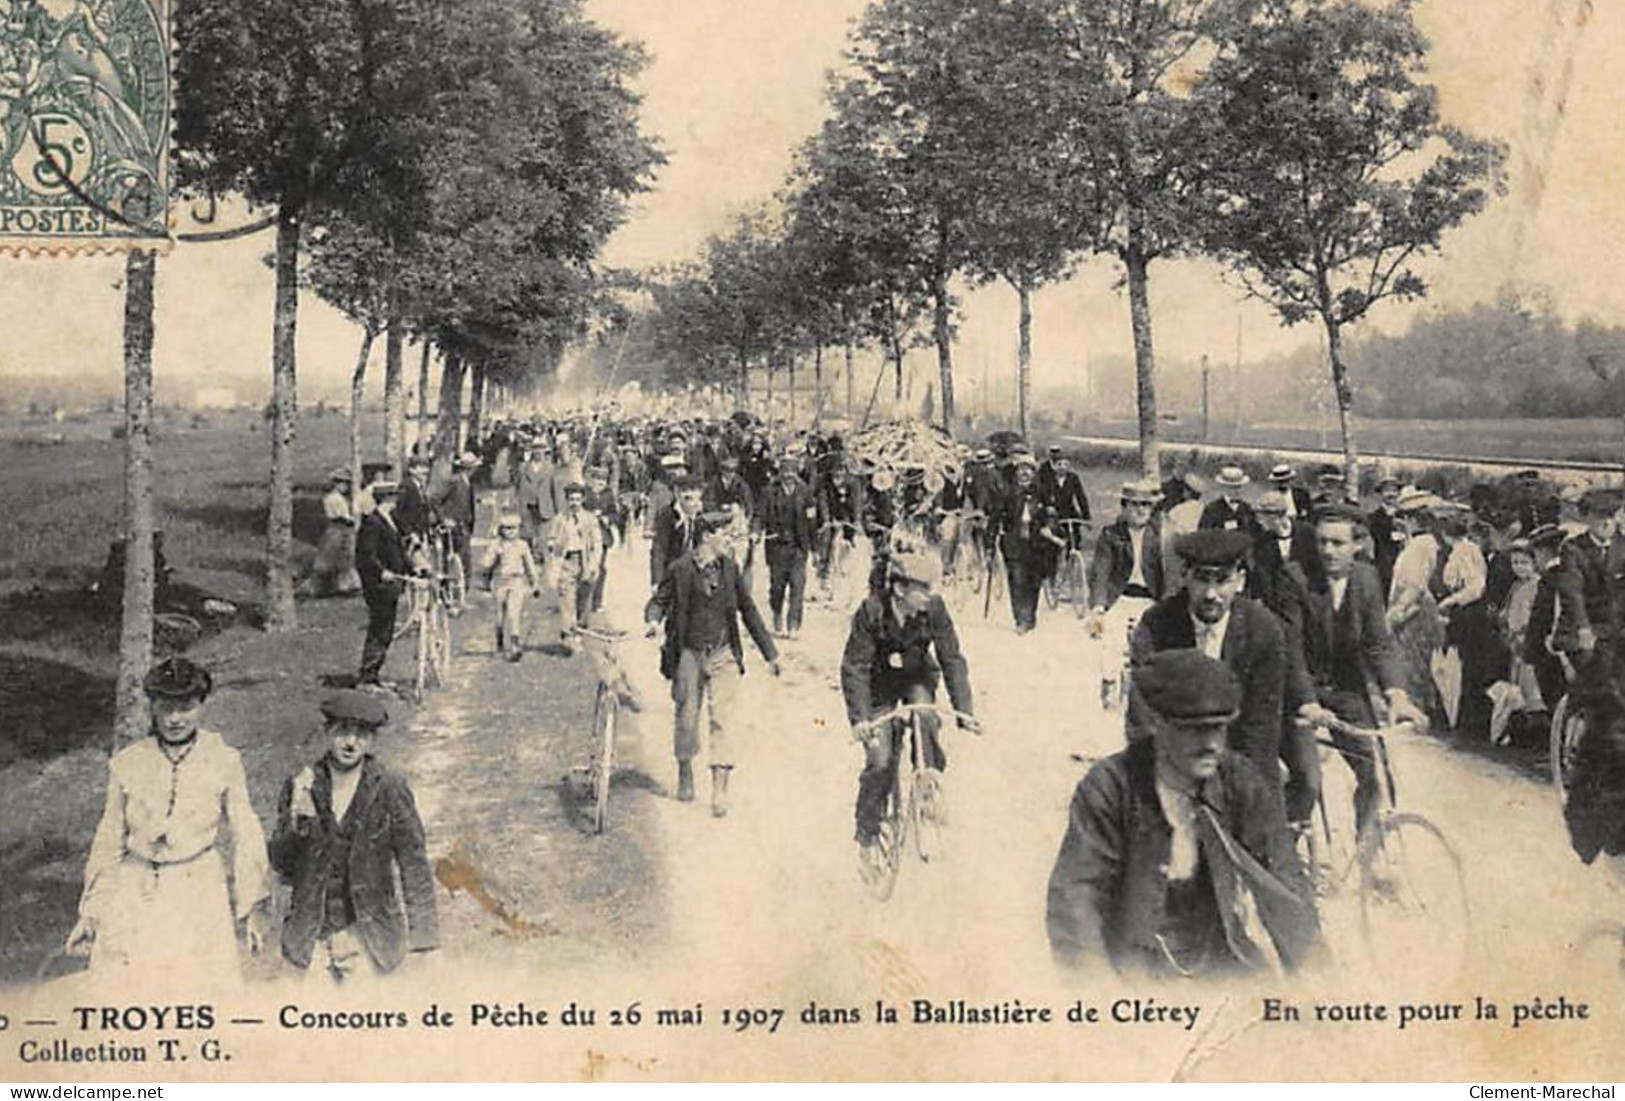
1077	583
1414	914
456	581
1568	728
929	815
604	716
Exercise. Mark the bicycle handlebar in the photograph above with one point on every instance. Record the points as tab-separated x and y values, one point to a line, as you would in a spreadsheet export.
1335	725
610	637
908	710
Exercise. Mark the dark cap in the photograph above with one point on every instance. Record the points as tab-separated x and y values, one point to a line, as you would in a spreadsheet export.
1546	536
177	679
707	522
575	487
690	481
1055	449
351	705
1214	547
1187	684
373	470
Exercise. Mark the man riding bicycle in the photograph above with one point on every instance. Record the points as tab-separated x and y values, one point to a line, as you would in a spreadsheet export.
902	643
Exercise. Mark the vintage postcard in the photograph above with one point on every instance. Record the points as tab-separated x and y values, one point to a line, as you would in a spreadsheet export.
577	653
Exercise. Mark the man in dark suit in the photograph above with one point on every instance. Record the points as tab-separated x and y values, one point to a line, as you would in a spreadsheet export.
1062	487
675	530
1281	540
1027	539
1228	512
414	515
455	506
702	599
1386	540
1348	649
1128	554
789	524
1211	615
1299	500
350	843
380	559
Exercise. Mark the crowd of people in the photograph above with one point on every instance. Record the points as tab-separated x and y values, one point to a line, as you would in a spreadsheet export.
1251	617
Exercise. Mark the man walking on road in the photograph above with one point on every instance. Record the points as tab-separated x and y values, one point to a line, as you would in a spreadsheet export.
380	559
350	843
702	599
790	527
575	553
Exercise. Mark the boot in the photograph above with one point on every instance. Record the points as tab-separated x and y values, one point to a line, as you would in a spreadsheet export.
502	642
685	782
719	790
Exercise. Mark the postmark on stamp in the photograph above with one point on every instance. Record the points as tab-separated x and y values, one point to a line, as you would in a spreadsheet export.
85	100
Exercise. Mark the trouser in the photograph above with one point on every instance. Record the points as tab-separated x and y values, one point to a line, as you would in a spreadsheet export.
714	675
459	543
575	592
826	548
1301	755
510	600
598	583
787	575
1354	708
381	606
881	754
1026	575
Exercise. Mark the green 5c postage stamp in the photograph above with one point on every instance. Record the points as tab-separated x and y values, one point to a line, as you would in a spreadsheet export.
85	101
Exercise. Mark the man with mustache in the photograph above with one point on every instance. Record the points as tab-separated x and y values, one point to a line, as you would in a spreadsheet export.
1211	615
1177	860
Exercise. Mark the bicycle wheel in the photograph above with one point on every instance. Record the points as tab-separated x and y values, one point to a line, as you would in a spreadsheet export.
1568	728
892	840
440	652
456	581
603	718
1077	583
1413	901
423	665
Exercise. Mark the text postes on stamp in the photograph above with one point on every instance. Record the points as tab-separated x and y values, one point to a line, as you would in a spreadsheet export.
85	101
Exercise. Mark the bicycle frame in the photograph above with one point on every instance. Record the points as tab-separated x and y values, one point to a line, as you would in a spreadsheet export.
606	713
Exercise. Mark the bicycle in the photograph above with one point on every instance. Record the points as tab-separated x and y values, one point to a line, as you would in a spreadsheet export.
432	660
965	552
915	810
451	568
1072	576
837	537
1414	913
599	771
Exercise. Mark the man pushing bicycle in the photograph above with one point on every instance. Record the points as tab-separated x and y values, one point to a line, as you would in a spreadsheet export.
902	643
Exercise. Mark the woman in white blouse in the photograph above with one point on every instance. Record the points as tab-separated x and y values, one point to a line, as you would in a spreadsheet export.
156	891
1413	611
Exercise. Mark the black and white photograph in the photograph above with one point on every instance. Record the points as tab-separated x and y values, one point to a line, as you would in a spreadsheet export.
860	540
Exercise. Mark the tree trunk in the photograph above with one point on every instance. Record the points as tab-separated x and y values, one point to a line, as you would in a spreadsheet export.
130	721
1345	406
394	400
422	432
897	365
449	418
358	392
280	615
1145	363
792	389
742	398
818	384
767	365
1024	354
851	381
476	403
945	351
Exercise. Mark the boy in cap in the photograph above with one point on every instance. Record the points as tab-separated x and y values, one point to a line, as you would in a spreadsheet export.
1177	860
701	599
510	572
350	844
901	643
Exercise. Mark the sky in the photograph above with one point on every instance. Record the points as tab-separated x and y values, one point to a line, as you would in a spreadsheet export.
734	86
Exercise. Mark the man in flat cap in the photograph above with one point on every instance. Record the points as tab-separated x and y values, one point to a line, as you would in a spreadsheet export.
350	844
1211	615
1177	860
701	599
575	554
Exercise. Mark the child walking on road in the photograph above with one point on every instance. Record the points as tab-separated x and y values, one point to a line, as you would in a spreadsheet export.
510	571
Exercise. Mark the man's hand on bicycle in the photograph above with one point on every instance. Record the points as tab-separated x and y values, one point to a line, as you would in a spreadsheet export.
1314	715
1401	710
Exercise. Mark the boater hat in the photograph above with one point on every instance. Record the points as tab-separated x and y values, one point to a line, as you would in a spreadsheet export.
1231	477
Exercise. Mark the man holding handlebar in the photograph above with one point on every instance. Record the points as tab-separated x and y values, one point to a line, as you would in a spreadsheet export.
902	643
